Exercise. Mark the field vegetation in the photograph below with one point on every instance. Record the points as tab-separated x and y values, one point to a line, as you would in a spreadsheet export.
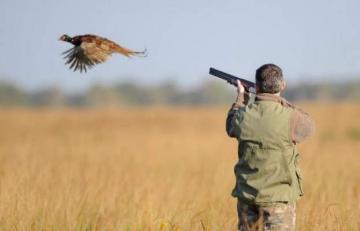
164	168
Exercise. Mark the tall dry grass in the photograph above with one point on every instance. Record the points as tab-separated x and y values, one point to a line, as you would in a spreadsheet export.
159	169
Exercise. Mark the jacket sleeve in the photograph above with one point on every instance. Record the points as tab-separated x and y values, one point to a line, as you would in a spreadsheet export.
235	116
302	126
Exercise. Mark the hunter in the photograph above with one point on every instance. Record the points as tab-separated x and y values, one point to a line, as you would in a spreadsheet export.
268	179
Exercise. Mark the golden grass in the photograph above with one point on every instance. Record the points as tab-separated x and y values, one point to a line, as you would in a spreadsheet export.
159	169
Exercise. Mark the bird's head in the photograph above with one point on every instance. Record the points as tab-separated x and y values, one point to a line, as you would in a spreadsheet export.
65	38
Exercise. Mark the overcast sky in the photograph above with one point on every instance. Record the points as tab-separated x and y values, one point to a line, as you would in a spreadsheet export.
308	39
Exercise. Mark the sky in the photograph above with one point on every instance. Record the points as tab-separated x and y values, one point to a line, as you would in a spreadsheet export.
310	40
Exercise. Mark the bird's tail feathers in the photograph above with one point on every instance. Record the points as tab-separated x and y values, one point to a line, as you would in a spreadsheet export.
127	52
143	53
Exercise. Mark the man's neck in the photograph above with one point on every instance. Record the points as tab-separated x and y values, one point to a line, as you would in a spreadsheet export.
275	94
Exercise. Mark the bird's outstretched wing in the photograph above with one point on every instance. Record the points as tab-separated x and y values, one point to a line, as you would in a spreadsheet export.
77	59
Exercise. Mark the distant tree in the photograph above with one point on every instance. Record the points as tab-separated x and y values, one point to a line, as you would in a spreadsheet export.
77	100
11	95
166	93
215	92
132	94
99	95
52	96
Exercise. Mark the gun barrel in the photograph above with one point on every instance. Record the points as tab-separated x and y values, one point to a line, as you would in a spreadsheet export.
232	79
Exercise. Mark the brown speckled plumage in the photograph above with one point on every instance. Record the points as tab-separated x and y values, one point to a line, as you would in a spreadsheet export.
90	50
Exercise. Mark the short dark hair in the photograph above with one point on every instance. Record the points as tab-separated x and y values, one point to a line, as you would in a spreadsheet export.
269	78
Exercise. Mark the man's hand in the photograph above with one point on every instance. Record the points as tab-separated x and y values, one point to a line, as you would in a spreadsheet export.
240	95
240	88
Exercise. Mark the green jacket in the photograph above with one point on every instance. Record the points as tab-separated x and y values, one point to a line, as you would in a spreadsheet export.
267	131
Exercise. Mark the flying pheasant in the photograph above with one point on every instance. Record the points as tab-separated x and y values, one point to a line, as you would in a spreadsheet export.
90	50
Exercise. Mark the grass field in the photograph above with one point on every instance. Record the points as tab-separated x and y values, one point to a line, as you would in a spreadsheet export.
159	169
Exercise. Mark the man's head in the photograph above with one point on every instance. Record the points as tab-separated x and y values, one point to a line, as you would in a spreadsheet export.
269	79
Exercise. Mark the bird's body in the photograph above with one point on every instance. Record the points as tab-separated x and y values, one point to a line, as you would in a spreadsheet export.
91	49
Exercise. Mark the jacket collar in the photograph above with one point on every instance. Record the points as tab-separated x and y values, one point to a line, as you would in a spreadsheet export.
274	98
268	97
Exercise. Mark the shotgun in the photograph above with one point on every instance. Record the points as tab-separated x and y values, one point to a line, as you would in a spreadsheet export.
248	85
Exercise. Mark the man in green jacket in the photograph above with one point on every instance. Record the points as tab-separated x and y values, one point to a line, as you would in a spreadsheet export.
268	179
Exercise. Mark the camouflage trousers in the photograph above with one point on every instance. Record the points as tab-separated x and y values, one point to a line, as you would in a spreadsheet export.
276	217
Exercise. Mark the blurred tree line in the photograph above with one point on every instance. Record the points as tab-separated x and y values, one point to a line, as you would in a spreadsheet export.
212	92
